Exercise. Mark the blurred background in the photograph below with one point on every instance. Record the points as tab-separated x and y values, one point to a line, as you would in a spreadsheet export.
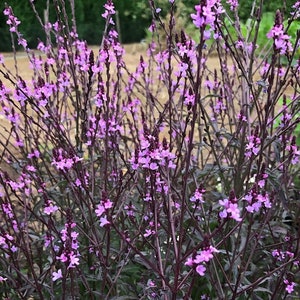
134	18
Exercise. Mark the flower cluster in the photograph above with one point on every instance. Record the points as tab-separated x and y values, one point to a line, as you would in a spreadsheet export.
233	4
296	12
8	212
109	11
198	195
253	146
294	152
283	256
22	184
230	208
280	255
13	23
286	116
217	107
151	230
50	207
63	161
256	200
207	13
152	154
7	242
201	259
101	210
281	39
69	253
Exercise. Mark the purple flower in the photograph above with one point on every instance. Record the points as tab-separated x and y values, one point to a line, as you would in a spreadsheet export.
289	286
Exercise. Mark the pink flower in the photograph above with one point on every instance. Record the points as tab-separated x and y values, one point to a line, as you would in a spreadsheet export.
151	283
152	27
50	208
281	40
198	196
231	210
223	214
100	210
189	99
108	204
201	258
189	262
153	166
48	239
233	4
56	275
7	11
62	257
148	232
104	221
234	211
200	269
109	10
74	260
275	31
205	255
253	145
207	14
35	153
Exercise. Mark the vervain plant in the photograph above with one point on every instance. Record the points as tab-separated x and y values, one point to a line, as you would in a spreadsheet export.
177	180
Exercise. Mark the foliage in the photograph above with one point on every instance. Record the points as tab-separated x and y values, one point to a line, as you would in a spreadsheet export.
176	180
247	7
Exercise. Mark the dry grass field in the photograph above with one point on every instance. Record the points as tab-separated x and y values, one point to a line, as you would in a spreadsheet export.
132	56
20	64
